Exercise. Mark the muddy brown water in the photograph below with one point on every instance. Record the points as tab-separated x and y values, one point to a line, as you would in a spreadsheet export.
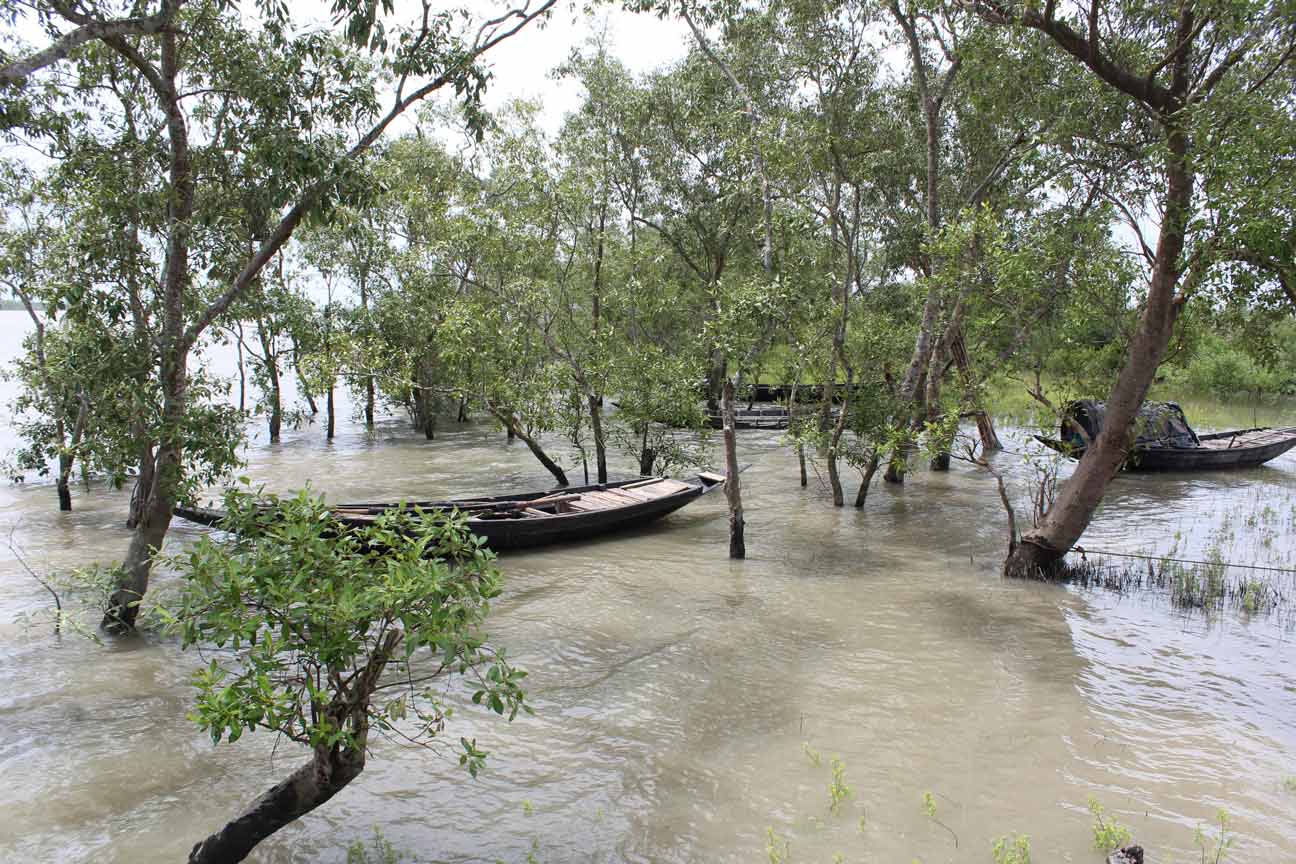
679	696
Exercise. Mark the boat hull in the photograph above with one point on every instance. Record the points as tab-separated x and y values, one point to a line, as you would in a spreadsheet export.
517	532
1215	454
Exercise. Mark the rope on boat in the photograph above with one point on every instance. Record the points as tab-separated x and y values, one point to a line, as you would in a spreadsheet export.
1085	551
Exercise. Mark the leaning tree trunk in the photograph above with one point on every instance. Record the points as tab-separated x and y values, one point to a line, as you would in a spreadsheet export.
302	382
866	480
1040	552
985	425
327	773
515	430
733	494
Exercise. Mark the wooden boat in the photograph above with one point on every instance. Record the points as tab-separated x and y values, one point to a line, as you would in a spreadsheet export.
1241	448
752	418
1165	441
537	518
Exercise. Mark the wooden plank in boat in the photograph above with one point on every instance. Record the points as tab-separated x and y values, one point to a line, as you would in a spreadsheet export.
634	495
638	483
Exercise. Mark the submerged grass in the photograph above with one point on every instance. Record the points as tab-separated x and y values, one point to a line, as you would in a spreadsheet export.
1235	557
1208	587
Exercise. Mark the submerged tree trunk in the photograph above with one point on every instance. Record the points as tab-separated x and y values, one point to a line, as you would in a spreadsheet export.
1040	551
168	462
271	359
940	460
242	369
600	446
985	425
314	783
717	371
64	491
330	417
302	384
733	494
156	501
515	430
869	470
329	771
369	378
647	455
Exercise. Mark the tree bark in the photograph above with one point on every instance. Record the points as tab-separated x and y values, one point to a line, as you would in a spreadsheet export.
327	773
242	370
940	460
313	784
1040	552
647	455
369	378
985	425
862	495
168	465
331	417
271	359
64	492
600	446
733	494
515	430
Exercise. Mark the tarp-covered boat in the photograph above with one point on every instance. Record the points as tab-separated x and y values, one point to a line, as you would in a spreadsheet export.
536	518
1163	440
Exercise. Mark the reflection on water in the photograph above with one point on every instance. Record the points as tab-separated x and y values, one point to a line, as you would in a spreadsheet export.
676	691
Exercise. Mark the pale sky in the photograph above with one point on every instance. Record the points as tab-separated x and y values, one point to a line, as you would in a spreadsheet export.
522	64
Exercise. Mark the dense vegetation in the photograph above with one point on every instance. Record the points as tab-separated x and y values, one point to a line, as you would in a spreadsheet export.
904	201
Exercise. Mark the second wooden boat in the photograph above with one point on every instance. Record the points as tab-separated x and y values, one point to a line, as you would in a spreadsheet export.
1165	442
519	520
1241	448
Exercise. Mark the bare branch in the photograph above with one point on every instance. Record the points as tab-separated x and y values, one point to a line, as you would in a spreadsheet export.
15	72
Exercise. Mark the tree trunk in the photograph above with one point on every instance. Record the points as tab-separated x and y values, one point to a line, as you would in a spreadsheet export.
276	406
327	773
271	359
801	460
369	378
985	425
168	465
242	371
314	783
866	480
733	494
301	383
940	460
716	374
143	482
64	493
516	431
600	447
647	455
330	418
1040	552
